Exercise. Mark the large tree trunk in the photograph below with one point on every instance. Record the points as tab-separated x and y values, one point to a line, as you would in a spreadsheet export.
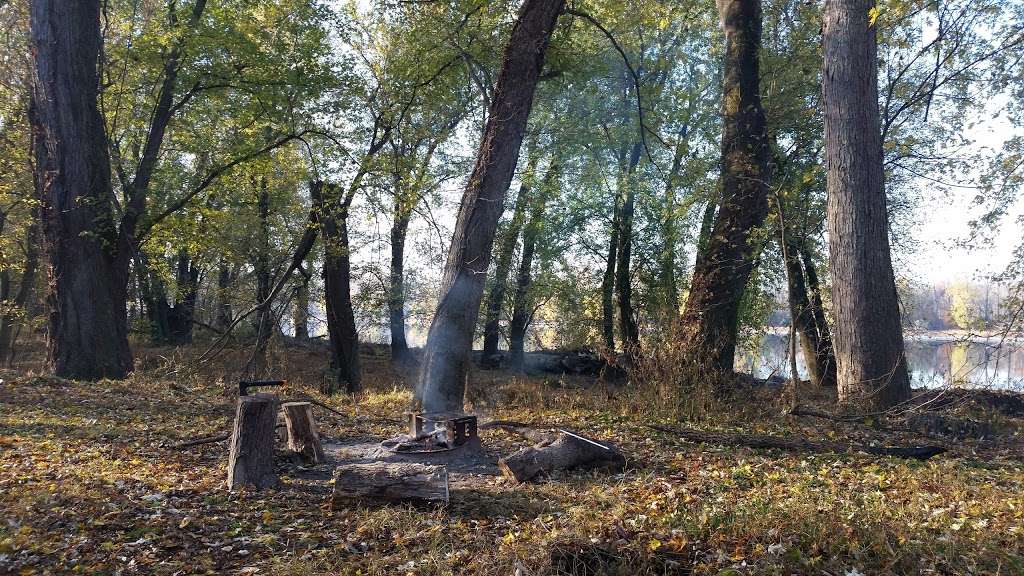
341	322
396	296
446	361
503	266
521	311
224	314
88	330
264	281
872	371
709	323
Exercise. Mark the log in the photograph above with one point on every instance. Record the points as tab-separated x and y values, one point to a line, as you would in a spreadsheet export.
562	451
384	482
251	459
303	437
799	444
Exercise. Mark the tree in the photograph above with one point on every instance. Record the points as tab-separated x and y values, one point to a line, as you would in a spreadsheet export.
442	380
88	336
872	367
709	322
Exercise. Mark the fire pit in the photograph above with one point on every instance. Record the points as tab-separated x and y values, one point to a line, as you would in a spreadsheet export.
433	432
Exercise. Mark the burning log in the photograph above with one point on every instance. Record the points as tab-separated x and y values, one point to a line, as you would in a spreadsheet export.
303	437
561	451
387	482
251	460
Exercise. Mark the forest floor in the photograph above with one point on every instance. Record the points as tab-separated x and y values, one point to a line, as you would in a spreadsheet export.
90	483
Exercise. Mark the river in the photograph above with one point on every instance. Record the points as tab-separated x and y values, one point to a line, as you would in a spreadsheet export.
933	362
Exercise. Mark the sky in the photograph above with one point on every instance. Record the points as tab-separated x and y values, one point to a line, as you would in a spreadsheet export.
943	222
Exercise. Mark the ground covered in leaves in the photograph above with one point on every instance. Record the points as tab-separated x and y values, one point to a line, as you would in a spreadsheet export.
91	483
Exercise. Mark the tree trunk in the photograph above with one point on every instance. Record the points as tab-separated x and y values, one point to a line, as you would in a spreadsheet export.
872	367
224	312
88	330
381	482
563	451
264	280
251	459
300	317
825	351
303	437
396	297
502	268
341	323
709	322
623	283
608	282
521	312
14	310
802	314
446	362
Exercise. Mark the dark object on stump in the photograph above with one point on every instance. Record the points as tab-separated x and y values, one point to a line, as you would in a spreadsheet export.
563	450
244	385
303	437
384	482
251	460
799	444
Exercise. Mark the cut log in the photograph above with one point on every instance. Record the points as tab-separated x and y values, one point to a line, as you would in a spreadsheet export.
799	444
303	437
562	451
385	483
251	460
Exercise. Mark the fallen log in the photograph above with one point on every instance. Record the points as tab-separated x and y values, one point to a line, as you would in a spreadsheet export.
389	482
303	438
251	460
762	441
563	450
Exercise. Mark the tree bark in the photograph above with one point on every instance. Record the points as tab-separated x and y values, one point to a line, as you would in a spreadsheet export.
817	352
332	218
303	437
442	382
503	266
382	482
264	280
872	367
88	331
709	322
251	459
562	451
224	314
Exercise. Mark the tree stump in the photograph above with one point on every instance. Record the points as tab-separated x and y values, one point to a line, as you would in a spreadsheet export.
562	452
303	437
385	482
251	460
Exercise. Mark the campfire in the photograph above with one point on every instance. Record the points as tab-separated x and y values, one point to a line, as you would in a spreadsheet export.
434	432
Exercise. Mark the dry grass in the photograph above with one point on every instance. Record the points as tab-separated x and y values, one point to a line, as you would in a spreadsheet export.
88	485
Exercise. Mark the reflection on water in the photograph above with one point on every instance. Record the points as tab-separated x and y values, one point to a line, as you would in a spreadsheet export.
932	362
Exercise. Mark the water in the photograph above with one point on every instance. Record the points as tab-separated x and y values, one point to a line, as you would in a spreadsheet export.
933	362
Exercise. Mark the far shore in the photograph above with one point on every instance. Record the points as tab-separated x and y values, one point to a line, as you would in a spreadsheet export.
939	336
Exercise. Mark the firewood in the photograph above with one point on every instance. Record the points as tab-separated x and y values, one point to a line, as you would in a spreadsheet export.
382	482
303	437
251	460
561	451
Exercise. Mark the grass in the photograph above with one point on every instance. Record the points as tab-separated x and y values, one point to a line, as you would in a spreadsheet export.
89	484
